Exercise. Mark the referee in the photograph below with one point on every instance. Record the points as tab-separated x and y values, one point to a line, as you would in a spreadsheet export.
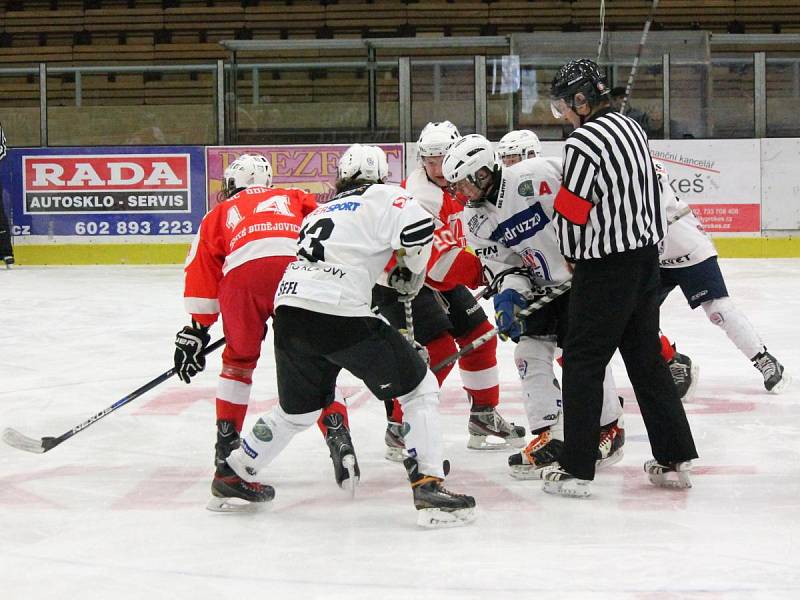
609	220
6	251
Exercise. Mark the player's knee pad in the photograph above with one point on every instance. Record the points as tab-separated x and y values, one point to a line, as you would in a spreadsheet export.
426	393
719	310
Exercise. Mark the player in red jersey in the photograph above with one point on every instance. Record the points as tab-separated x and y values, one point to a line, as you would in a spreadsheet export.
234	266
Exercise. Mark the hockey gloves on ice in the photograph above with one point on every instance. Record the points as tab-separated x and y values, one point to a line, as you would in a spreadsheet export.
405	281
506	306
189	345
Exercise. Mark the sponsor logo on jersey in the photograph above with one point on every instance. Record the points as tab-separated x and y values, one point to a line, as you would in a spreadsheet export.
262	431
678	260
522	226
108	183
475	222
487	252
337	206
525	188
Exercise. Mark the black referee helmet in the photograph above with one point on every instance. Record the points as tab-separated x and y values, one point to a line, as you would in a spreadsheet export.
580	76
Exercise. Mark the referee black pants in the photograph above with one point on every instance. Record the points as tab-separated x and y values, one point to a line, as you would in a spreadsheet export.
5	232
614	304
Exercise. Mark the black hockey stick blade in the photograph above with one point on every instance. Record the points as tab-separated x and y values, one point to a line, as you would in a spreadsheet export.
17	440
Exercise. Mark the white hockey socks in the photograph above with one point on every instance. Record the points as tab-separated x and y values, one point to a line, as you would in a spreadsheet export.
725	314
541	394
269	436
612	409
423	436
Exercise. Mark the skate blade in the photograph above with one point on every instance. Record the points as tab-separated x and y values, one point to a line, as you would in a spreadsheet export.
491	442
695	375
681	481
609	460
526	472
436	518
781	386
395	454
351	483
569	489
234	505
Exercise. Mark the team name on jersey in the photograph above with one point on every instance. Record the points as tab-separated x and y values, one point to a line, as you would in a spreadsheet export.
521	226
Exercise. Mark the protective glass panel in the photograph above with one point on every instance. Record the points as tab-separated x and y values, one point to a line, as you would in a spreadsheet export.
783	95
690	92
19	108
443	90
645	105
290	105
733	106
131	108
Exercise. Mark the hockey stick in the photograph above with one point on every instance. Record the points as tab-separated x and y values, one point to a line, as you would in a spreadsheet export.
17	440
642	41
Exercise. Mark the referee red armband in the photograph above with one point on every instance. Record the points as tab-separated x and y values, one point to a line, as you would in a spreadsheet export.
572	207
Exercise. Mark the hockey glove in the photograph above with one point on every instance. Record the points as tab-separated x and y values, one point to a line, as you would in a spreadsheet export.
405	281
506	306
189	345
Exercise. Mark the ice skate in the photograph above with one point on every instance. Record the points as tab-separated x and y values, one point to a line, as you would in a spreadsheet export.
345	465
8	261
486	427
775	378
227	441
436	506
685	375
231	493
395	443
612	439
542	451
558	481
673	475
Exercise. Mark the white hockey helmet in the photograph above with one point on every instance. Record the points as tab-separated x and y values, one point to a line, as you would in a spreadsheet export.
465	159
246	171
436	138
363	163
523	142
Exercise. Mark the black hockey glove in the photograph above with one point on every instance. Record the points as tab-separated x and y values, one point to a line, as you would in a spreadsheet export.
189	345
405	281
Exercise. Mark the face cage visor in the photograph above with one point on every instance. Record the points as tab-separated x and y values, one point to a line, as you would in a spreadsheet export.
559	107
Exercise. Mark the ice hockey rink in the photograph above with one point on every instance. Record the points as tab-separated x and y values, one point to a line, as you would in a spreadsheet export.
118	511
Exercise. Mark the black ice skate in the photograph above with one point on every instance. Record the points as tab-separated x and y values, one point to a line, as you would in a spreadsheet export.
395	442
8	261
612	439
684	375
672	475
231	493
345	465
227	441
775	379
542	451
436	506
486	425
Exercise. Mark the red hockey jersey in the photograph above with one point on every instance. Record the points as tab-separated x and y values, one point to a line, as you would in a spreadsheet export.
255	223
452	262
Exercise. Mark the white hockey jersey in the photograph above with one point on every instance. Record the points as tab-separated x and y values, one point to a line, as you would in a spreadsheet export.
345	244
686	243
517	230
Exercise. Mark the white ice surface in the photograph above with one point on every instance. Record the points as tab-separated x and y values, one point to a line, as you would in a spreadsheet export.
117	512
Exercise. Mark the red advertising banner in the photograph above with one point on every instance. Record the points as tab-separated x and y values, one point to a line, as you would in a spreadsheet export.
309	167
727	218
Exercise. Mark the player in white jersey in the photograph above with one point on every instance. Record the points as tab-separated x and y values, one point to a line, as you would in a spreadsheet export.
688	259
323	323
509	222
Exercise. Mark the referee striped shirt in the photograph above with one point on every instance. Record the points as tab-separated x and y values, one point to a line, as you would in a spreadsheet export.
609	200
